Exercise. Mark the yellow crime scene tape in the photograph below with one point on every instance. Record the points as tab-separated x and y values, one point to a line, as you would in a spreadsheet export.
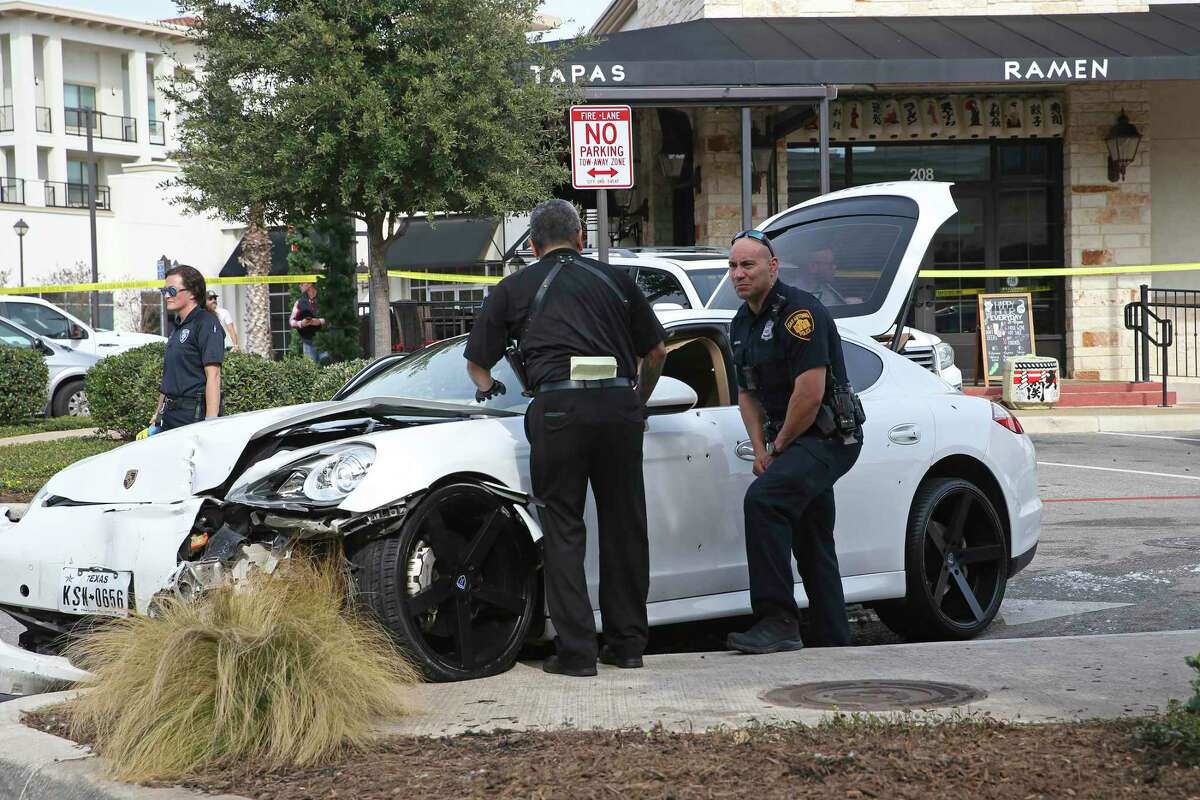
491	280
245	280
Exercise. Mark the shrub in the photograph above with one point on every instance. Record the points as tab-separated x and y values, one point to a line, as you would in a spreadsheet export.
122	390
23	379
25	467
277	673
334	377
252	383
1175	736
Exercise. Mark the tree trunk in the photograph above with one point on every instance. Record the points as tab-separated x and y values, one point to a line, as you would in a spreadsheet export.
381	319
256	258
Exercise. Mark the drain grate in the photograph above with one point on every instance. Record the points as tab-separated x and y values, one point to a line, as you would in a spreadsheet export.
1176	543
873	695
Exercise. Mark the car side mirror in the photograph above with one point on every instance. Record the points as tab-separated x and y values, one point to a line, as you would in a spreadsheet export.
42	347
76	332
671	396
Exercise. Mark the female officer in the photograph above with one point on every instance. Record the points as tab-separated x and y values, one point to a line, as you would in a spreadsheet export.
191	384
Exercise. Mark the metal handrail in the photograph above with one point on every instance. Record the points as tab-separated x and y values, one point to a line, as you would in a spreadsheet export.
1136	316
104	126
6	119
12	190
60	194
41	117
158	132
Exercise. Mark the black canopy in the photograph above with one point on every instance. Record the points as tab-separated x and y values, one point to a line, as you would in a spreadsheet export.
1163	43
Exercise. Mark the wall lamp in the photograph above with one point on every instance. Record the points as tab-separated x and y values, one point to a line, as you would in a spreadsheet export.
1122	142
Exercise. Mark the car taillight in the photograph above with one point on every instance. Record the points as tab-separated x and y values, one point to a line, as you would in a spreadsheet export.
1005	417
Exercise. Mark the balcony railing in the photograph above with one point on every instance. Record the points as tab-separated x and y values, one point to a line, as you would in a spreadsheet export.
41	115
12	190
104	126
75	195
6	118
158	132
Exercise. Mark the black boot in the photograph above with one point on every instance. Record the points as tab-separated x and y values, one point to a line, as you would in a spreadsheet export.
556	667
607	656
770	635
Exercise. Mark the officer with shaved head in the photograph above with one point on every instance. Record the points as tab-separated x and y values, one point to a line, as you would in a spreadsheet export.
805	424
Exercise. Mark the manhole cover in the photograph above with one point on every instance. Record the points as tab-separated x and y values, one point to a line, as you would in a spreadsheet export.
873	695
1176	542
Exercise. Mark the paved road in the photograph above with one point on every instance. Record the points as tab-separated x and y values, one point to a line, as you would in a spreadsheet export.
1120	547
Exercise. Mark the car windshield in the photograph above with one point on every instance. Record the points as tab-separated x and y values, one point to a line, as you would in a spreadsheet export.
706	281
439	372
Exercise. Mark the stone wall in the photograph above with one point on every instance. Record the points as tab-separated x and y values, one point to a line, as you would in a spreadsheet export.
1106	223
664	12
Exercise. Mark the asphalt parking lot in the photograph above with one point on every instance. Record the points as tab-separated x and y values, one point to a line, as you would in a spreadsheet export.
1119	553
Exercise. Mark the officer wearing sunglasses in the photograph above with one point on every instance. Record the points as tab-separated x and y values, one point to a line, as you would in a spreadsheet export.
791	375
191	383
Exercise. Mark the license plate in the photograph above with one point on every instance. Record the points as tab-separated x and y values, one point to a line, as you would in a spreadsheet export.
94	591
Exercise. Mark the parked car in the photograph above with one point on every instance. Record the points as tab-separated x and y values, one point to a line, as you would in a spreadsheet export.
55	325
426	492
64	391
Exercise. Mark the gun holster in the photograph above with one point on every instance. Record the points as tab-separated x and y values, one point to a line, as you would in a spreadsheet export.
516	360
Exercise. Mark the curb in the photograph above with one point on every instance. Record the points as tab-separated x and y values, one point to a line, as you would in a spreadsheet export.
39	766
1035	422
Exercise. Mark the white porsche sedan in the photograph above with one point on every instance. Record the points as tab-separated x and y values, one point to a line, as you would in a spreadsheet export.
427	492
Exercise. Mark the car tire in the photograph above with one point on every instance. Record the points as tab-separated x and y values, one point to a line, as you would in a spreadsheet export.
456	586
70	400
956	551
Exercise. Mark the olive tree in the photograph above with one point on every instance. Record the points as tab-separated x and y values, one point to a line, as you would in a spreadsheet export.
385	110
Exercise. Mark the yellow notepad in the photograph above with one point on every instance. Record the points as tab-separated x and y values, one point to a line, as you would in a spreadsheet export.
593	368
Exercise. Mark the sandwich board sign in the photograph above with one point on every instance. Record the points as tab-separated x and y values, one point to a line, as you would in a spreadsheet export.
601	147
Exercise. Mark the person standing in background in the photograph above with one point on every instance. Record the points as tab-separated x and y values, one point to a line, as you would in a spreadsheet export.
305	319
226	320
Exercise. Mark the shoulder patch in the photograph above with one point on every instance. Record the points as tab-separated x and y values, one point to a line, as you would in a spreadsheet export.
800	324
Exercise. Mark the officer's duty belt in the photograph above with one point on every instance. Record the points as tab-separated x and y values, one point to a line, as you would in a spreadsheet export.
607	383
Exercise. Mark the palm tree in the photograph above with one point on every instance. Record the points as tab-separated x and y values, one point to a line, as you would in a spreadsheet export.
256	258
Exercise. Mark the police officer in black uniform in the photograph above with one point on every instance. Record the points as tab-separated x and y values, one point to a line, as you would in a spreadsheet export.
560	309
805	425
191	382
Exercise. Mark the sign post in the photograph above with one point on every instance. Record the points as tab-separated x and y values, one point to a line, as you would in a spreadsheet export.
602	157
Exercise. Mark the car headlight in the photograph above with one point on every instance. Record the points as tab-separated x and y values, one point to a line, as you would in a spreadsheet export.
320	479
943	356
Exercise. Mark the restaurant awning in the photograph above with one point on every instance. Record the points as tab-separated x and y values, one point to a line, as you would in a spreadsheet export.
1159	44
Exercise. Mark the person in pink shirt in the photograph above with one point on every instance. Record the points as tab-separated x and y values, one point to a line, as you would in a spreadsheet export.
306	319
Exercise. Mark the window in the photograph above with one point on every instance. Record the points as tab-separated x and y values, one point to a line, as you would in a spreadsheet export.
14	338
862	366
76	96
661	287
41	320
706	281
77	171
847	261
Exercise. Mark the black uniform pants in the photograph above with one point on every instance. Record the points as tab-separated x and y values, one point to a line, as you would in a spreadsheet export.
790	511
577	436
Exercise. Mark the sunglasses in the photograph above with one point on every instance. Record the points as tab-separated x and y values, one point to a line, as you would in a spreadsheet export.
169	291
757	236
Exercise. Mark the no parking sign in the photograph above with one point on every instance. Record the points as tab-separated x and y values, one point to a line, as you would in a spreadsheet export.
601	147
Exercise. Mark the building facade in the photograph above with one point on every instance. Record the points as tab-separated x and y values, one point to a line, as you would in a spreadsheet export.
1026	149
61	72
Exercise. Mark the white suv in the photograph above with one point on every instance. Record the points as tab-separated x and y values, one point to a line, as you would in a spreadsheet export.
54	324
694	277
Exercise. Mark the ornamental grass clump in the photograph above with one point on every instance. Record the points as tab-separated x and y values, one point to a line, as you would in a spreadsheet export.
278	673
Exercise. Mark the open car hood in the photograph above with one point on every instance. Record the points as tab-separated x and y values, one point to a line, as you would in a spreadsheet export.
858	250
178	464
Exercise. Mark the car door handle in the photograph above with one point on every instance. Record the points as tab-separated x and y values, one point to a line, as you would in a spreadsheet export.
745	450
905	434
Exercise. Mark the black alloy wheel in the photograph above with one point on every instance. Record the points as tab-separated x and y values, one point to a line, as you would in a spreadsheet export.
456	586
956	564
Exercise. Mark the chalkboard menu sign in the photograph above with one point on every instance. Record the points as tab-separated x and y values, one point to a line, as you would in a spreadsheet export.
1005	329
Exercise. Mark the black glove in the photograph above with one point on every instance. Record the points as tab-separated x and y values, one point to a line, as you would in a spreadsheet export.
497	388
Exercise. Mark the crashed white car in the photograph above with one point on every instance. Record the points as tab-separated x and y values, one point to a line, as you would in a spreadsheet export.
427	492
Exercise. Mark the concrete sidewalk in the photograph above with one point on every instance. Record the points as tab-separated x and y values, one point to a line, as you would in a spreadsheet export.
1139	419
1026	680
49	436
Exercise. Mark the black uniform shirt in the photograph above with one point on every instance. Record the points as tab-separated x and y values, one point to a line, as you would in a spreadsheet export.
197	342
791	334
580	316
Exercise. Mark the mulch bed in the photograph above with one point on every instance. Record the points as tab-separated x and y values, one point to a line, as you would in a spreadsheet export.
974	758
15	497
